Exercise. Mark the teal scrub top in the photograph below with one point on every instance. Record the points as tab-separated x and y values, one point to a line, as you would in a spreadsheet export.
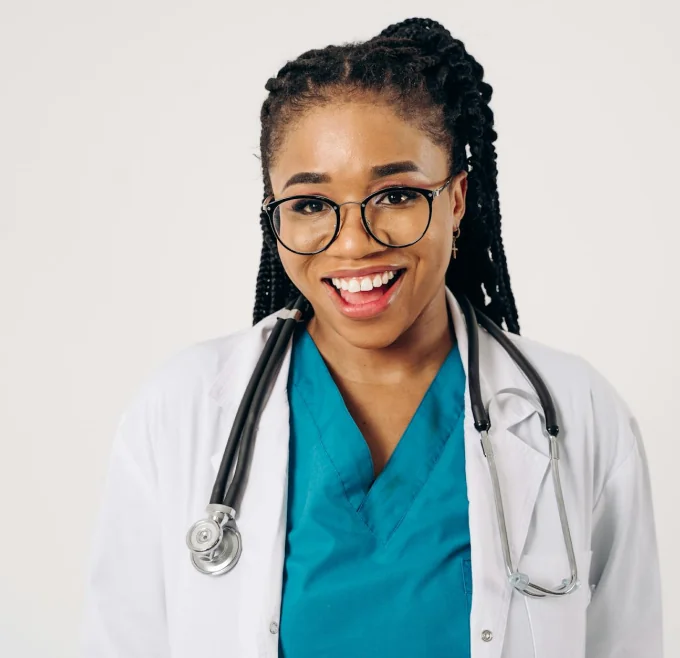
374	566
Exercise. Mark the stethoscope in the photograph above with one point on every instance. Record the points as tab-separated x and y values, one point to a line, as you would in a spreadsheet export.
215	542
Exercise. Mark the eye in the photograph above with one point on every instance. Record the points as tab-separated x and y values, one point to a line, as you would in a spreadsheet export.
395	197
308	206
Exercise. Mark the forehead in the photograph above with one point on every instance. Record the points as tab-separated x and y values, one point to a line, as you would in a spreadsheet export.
347	139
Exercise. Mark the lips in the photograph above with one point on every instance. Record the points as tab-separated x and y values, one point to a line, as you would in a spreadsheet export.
365	303
364	271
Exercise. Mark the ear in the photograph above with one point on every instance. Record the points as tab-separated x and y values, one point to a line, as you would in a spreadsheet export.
457	195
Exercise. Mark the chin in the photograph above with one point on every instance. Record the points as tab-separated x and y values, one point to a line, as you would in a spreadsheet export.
372	334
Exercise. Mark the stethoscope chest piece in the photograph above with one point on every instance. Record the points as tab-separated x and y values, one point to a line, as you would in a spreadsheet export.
215	542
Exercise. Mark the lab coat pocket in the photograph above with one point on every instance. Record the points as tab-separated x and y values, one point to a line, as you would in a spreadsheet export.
557	624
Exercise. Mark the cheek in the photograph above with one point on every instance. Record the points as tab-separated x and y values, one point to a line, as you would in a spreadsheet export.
435	247
296	267
431	270
288	262
442	222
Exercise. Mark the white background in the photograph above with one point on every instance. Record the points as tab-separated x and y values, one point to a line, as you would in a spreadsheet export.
129	195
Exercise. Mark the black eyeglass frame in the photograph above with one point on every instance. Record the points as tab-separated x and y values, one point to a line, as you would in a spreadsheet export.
429	194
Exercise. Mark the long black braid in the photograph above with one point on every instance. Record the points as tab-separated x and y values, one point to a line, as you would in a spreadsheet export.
429	78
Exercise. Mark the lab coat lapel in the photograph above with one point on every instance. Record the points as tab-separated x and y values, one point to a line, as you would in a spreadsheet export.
521	465
262	515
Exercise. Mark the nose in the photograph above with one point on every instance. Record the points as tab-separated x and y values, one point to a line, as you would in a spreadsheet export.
353	240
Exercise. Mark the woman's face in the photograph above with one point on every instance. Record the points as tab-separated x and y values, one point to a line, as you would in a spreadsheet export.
342	143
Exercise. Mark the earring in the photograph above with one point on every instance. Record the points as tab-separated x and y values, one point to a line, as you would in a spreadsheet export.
454	249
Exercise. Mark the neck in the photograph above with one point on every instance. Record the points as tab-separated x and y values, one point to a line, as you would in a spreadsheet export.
418	351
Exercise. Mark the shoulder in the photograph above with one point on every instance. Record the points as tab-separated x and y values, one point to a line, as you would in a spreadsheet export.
185	378
574	378
588	403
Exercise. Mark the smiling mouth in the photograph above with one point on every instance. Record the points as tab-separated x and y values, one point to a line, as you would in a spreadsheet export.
365	289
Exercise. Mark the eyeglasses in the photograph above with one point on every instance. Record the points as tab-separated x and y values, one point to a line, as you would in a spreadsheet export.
396	216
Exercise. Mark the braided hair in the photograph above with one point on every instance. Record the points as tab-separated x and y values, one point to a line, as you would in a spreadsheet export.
429	79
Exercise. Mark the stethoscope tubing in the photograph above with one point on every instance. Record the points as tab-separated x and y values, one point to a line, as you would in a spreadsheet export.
226	496
472	318
236	488
220	486
249	411
527	368
482	422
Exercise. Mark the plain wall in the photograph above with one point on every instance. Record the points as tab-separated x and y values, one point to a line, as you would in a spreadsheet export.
129	204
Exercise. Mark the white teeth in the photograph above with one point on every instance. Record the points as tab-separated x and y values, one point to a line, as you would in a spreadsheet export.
364	283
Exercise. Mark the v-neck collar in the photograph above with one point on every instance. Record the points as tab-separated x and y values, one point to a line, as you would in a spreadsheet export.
382	502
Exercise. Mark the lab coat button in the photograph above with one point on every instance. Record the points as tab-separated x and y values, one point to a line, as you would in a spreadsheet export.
487	636
273	628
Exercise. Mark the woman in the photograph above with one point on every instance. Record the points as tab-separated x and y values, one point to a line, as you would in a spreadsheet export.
368	521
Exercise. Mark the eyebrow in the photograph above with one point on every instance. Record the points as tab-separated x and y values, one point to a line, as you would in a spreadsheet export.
379	171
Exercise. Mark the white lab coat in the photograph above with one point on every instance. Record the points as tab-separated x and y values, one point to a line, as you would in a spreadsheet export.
145	600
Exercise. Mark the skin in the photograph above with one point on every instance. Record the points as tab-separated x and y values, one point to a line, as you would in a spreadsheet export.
382	365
